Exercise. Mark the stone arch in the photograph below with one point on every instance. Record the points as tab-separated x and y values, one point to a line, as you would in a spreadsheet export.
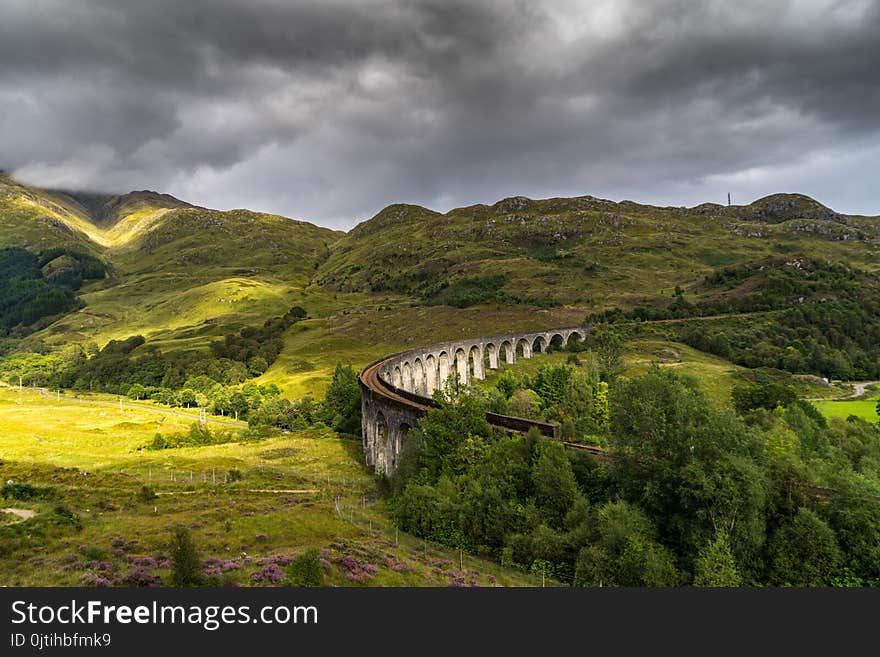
573	341
384	452
397	377
430	374
418	377
461	365
539	345
490	356
507	353
556	343
443	367
399	437
523	348
407	376
475	358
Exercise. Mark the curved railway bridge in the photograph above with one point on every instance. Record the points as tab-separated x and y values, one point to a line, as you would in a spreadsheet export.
396	390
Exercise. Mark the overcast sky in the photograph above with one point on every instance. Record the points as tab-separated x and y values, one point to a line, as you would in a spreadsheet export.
329	110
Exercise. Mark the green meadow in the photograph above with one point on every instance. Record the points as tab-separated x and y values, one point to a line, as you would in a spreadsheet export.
247	504
863	408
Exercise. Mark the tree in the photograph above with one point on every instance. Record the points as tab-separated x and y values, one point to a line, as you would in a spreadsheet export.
781	439
551	384
136	391
524	403
804	552
446	430
257	365
609	352
767	395
276	412
186	398
341	408
555	487
601	413
715	565
236	373
719	344
186	565
507	383
854	515
74	355
238	404
688	464
626	552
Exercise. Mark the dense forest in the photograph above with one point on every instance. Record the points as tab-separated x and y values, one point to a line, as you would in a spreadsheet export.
806	317
33	287
689	493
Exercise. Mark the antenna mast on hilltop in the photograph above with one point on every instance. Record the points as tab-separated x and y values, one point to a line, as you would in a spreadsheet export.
728	198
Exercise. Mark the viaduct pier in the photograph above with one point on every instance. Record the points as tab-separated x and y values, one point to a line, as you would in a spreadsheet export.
396	390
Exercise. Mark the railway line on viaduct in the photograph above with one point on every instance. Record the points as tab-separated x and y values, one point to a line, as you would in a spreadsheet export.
396	390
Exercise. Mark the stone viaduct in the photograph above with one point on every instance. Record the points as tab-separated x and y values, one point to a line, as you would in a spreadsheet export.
396	390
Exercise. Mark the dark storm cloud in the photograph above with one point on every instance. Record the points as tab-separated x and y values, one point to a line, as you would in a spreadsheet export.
330	109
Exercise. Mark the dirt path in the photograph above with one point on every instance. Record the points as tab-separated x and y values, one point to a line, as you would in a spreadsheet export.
296	491
23	514
679	320
860	387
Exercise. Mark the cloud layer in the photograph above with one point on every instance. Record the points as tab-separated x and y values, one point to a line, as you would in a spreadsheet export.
328	110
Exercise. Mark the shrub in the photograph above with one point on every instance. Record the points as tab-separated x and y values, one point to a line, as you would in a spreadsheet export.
93	553
140	576
305	570
270	573
147	494
25	492
65	515
186	565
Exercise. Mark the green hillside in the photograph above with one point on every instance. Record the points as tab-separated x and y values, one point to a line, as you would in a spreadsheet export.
36	220
194	271
732	315
584	251
184	276
175	271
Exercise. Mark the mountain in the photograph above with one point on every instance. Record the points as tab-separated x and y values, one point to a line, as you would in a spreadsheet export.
582	251
106	210
36	220
183	275
176	271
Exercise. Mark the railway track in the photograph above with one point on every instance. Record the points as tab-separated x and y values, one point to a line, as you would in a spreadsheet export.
378	386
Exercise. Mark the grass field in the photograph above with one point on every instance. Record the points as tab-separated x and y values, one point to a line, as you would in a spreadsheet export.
863	408
305	489
716	375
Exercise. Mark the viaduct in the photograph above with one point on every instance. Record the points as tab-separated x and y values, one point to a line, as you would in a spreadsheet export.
396	390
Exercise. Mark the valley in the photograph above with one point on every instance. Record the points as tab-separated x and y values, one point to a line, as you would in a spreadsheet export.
248	320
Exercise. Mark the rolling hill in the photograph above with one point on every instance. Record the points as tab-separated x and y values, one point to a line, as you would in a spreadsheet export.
175	270
584	251
183	275
726	295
